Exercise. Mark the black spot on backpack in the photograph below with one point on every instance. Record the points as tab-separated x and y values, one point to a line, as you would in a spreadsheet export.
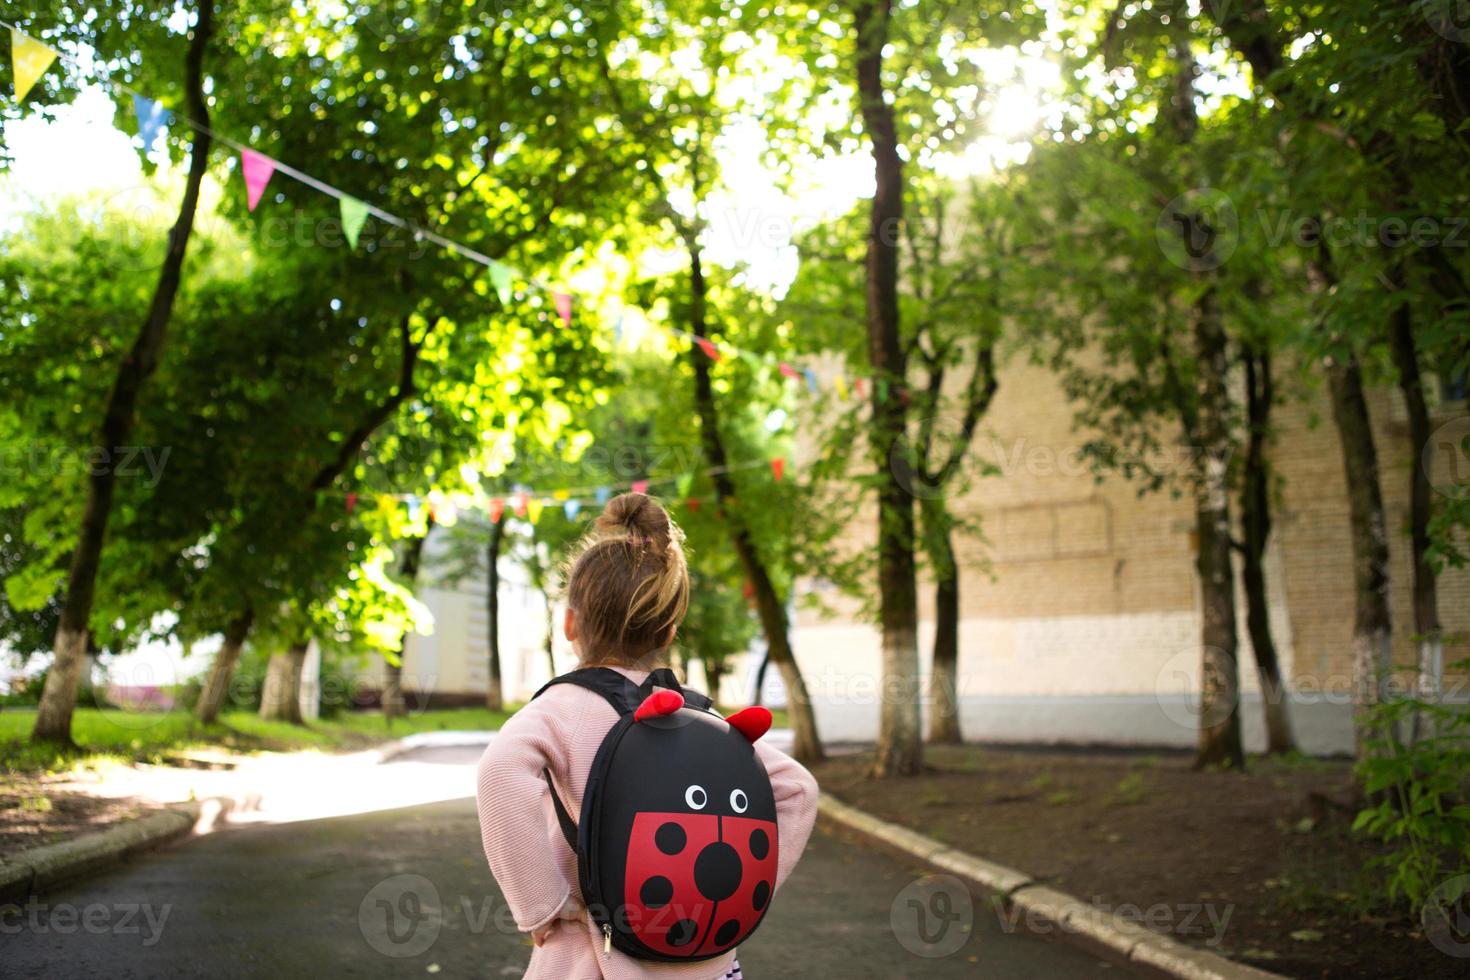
676	844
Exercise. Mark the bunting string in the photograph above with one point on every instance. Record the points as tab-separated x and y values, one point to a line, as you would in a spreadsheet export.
31	58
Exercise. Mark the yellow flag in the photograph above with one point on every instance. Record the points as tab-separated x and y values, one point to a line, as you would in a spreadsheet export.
534	506
841	384
30	59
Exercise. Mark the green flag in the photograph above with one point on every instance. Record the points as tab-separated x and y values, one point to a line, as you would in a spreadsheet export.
354	213
500	279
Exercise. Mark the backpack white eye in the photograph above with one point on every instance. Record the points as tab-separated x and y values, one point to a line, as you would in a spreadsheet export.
696	797
738	802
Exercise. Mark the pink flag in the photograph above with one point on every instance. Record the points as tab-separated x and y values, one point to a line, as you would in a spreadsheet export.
640	486
710	350
564	308
257	168
789	371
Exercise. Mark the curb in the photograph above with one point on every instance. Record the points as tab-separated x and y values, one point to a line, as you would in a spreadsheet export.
1049	912
41	869
426	740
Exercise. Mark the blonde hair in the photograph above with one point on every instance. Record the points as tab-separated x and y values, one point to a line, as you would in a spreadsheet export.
628	581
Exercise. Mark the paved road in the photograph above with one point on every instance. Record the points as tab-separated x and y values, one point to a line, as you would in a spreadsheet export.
406	893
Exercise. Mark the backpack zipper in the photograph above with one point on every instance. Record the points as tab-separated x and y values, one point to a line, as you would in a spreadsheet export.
606	939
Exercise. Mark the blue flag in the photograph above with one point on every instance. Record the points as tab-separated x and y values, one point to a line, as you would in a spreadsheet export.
152	117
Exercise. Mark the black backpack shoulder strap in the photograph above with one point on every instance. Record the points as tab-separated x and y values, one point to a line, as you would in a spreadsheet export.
612	686
619	692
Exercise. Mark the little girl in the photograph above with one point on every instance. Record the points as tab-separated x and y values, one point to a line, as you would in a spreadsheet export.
627	593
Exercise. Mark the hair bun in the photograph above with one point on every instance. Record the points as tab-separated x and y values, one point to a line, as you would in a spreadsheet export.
638	518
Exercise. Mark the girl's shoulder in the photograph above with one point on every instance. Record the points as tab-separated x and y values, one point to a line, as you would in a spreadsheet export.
561	707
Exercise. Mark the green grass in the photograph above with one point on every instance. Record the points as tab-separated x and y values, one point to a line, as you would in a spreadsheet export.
133	736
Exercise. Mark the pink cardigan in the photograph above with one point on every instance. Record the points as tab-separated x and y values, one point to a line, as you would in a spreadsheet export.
535	868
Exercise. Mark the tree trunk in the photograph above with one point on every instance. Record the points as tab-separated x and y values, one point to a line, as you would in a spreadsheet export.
550	632
58	698
408	573
217	687
1255	519
807	745
1219	734
1205	417
714	672
494	693
280	700
1252	31
1372	624
900	749
1421	504
944	708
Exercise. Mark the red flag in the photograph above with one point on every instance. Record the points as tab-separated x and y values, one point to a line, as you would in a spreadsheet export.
693	504
351	502
789	371
778	467
710	350
564	308
640	486
497	509
858	386
521	501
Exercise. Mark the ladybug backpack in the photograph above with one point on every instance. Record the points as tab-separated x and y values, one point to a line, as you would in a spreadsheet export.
676	845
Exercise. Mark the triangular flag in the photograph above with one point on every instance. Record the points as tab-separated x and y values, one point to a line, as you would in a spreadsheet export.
560	495
603	494
256	169
811	380
30	59
413	507
857	386
640	486
778	468
709	348
618	330
788	370
840	383
882	390
351	502
563	308
151	117
497	509
534	506
571	508
500	278
354	213
686	483
522	502
387	503
693	504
